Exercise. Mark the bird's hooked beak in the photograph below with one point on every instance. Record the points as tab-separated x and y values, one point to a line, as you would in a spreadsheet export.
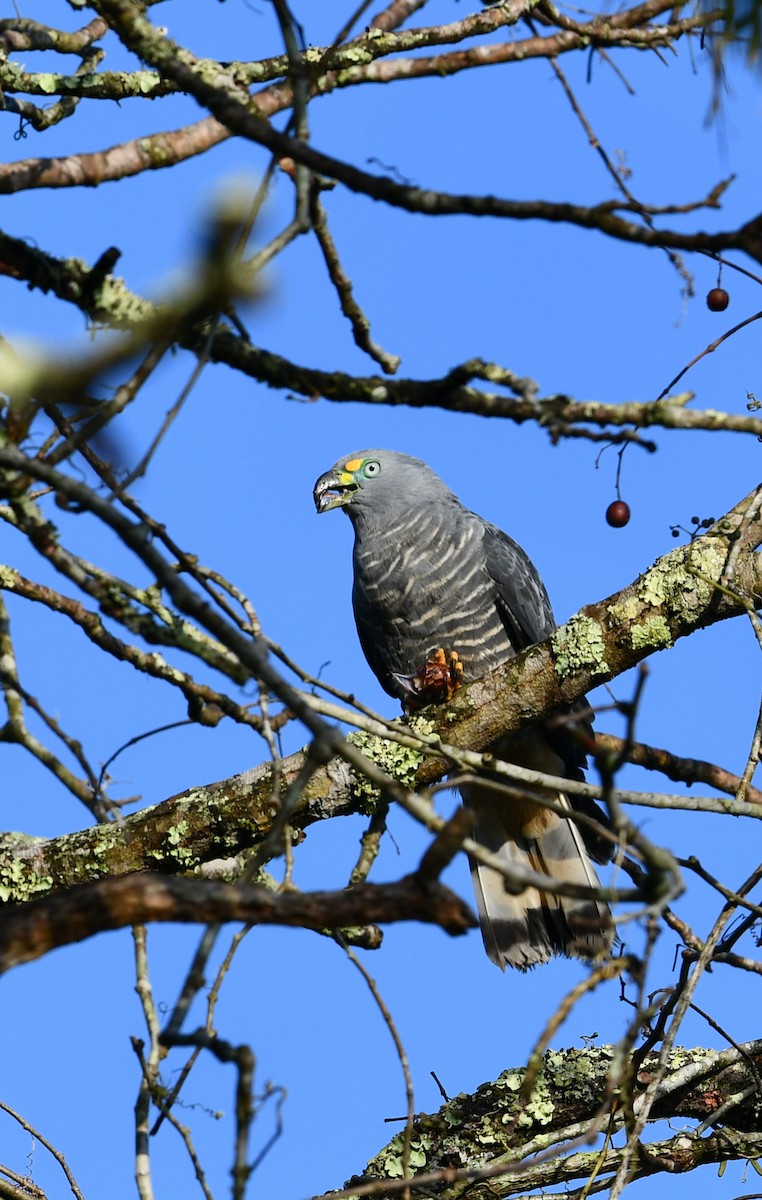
334	489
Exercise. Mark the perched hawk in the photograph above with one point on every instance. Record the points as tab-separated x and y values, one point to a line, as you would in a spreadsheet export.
430	577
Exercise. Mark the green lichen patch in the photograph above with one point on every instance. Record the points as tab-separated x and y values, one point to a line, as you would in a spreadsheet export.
579	646
400	762
111	296
681	581
624	609
574	1072
651	634
175	849
19	881
423	728
391	1161
539	1107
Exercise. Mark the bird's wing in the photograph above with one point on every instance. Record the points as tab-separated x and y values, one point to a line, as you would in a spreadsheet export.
522	601
525	610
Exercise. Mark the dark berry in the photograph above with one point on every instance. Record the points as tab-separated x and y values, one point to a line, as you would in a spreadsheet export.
717	300
618	513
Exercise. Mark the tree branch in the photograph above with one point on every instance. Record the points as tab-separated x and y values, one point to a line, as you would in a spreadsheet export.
108	300
674	766
31	930
521	1144
222	95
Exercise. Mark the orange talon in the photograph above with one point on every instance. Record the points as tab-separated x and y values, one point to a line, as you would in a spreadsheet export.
436	682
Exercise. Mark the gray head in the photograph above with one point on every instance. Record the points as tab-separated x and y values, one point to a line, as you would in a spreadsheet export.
377	481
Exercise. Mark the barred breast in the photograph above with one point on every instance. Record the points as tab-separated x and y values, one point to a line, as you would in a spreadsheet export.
422	583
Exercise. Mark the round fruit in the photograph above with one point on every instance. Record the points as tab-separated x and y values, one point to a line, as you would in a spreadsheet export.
717	300
618	513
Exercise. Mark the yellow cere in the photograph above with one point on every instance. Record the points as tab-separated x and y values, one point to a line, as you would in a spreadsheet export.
354	464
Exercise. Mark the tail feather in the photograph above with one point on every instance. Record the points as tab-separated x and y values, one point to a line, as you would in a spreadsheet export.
525	930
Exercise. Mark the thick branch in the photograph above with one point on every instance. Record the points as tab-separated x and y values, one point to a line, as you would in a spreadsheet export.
520	1144
29	931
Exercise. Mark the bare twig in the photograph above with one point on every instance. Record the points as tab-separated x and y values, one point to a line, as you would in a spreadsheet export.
51	1149
149	1066
400	1050
349	306
707	350
16	730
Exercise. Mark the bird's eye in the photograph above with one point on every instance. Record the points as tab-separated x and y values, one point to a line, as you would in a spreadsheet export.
371	469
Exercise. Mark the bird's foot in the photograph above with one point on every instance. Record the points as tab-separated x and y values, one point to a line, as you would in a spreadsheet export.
435	682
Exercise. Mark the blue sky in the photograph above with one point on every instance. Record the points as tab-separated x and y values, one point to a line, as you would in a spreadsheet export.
233	482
